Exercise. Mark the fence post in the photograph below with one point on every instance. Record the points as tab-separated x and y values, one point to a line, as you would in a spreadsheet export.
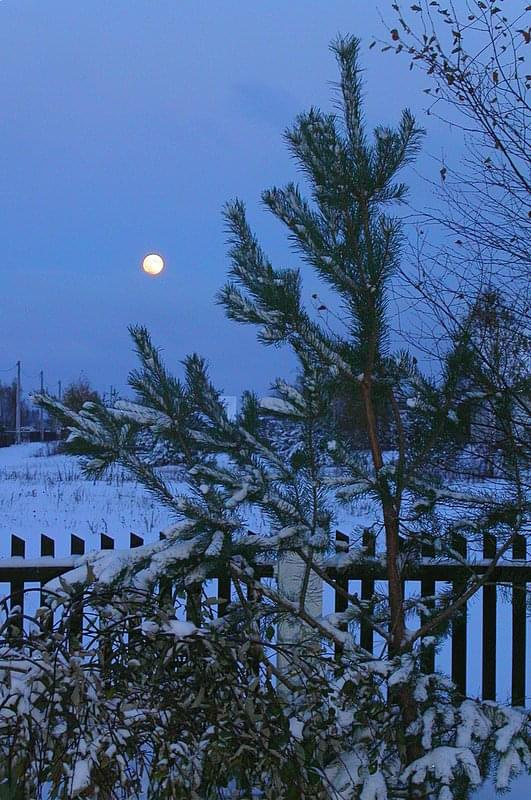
367	591
488	678
459	631
519	626
340	601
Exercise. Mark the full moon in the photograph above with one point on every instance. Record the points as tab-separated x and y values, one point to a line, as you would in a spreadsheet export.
153	264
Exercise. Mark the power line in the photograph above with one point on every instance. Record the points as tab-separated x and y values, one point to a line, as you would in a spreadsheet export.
18	405
32	376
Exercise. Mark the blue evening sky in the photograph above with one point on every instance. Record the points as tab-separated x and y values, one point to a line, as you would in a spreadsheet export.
124	128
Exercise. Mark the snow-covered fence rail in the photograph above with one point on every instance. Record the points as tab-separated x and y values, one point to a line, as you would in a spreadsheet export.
426	570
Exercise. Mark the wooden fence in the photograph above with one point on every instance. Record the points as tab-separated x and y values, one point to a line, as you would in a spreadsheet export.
427	570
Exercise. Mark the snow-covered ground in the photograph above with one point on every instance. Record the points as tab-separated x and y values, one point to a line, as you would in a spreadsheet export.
43	493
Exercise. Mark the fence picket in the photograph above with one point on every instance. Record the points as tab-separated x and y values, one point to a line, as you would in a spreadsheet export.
427	589
340	601
193	603
224	593
16	592
367	591
77	548
488	677
519	629
255	650
48	551
459	627
134	626
106	543
165	585
135	540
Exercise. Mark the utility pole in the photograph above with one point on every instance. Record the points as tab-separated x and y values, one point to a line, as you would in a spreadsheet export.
17	406
59	397
41	409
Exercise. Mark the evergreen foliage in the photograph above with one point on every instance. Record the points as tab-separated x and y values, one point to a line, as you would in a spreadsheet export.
349	725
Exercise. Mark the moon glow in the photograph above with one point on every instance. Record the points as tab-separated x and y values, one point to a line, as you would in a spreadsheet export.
153	264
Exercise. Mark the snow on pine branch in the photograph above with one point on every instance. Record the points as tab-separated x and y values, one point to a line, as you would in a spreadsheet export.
281	407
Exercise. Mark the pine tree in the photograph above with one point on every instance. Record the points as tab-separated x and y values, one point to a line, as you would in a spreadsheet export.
344	724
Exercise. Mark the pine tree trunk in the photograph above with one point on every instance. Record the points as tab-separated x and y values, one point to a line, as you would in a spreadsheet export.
391	524
403	696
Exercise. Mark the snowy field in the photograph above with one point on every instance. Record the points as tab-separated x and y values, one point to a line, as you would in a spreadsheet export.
42	493
46	494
